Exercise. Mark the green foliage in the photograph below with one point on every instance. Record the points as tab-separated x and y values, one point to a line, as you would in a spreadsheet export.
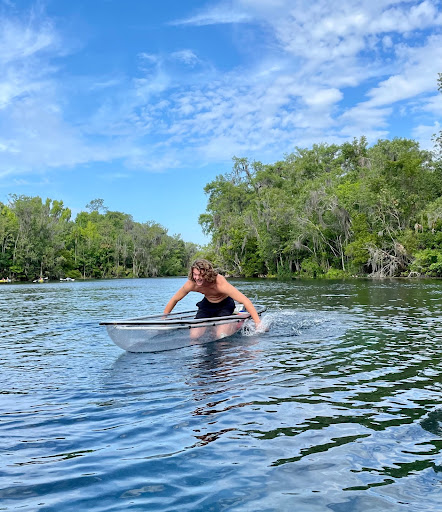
327	211
427	262
74	274
362	239
311	268
336	273
284	272
39	239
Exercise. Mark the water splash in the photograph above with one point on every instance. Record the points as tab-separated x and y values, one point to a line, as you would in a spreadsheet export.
249	327
284	322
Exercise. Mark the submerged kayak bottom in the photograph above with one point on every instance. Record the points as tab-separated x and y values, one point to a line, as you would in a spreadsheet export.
139	339
175	330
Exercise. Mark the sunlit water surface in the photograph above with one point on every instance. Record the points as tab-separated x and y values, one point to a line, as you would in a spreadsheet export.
338	407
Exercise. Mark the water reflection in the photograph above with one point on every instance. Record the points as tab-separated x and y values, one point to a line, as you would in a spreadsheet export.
433	423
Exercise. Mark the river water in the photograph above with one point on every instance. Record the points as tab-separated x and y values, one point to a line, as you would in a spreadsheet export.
337	408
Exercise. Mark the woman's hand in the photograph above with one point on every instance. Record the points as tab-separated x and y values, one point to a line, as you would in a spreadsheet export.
260	328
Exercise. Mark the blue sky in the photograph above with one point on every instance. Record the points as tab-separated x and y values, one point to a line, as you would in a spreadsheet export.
142	103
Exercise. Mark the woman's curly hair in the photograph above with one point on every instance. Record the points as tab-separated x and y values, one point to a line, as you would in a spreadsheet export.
205	268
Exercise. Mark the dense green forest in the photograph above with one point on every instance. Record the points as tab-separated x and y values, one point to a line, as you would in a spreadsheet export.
39	239
332	210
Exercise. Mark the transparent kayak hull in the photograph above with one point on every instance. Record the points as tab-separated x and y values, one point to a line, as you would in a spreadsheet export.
175	330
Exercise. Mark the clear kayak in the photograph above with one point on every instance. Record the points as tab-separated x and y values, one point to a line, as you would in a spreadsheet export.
175	330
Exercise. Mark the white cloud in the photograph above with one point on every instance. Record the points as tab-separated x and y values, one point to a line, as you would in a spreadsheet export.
186	56
23	62
397	19
330	31
424	134
324	97
19	41
417	75
365	120
220	14
148	57
105	84
387	42
432	104
40	138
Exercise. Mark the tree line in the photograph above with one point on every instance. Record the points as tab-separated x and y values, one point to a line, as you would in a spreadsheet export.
332	210
39	239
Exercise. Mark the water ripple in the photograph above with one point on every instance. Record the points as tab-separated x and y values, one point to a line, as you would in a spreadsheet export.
337	407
